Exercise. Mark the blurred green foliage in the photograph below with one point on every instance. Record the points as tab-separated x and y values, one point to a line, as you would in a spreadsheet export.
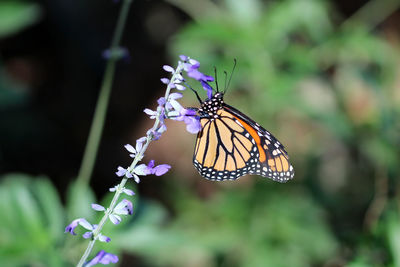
17	15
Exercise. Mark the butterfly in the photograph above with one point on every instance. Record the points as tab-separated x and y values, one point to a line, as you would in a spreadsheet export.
230	145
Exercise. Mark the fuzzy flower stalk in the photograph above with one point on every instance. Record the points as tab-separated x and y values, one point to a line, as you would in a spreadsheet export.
168	108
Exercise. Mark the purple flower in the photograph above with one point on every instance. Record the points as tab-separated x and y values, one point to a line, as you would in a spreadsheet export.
98	207
164	80
193	124
104	238
115	219
142	169
103	258
71	227
124	207
130	149
168	68
87	235
139	143
124	190
183	58
82	222
151	113
208	89
161	101
157	170
193	72
123	172
161	169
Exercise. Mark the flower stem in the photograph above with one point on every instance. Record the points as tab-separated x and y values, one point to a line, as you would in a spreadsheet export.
96	129
120	187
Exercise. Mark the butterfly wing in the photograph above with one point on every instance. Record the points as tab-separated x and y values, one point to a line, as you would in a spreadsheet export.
233	145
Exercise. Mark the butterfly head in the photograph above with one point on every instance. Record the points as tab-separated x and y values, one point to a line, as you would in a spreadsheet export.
209	107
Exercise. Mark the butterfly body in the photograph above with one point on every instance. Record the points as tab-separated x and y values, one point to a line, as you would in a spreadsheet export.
231	145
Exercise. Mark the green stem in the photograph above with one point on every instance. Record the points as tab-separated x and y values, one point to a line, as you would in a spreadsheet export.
96	129
121	186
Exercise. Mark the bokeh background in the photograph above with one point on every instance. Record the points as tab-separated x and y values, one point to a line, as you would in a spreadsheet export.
323	76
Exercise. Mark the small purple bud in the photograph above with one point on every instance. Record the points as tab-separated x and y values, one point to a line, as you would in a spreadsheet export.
180	87
175	96
85	224
71	227
137	180
161	101
128	192
168	68
165	80
87	235
121	171
130	148
183	57
115	219
98	207
104	238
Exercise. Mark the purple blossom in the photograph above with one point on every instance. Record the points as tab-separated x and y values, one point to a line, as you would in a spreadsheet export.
153	114
123	172
180	87
71	227
168	68
104	238
98	207
164	80
161	101
208	89
130	149
87	235
124	207
103	258
142	169
183	58
82	222
139	143
161	169
115	219
157	170
193	124
137	180
124	190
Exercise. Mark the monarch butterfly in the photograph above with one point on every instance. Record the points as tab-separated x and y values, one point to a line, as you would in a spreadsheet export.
230	145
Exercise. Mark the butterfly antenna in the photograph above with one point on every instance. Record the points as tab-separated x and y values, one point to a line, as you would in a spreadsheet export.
230	77
195	92
216	79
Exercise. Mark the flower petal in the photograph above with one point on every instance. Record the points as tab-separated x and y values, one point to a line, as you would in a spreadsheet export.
104	238
87	235
137	180
115	219
130	148
121	171
98	207
165	80
128	192
161	169
103	258
168	68
71	227
85	224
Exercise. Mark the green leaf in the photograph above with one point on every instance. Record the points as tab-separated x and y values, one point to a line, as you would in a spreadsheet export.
79	199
